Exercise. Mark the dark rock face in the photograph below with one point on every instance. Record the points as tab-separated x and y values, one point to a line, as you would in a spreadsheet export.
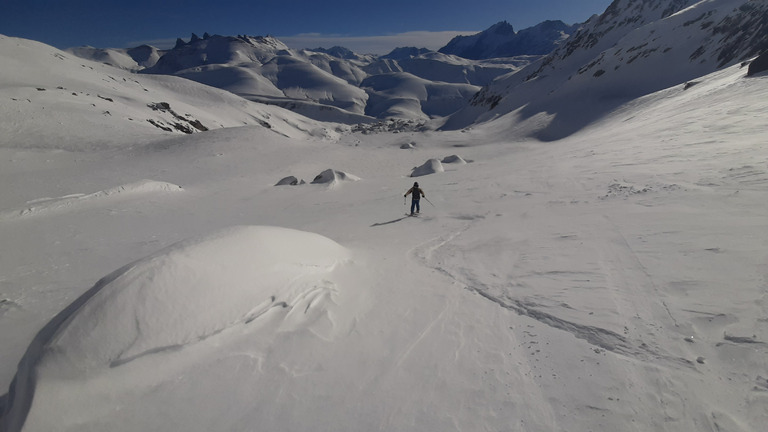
743	34
758	65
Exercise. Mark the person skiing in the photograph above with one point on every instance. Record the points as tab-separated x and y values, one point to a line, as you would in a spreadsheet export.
416	194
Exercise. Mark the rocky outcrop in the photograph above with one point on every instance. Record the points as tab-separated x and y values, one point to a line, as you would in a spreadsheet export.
758	65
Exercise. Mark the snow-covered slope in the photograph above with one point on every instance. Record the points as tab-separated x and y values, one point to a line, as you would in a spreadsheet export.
54	100
403	95
443	68
611	280
132	59
633	49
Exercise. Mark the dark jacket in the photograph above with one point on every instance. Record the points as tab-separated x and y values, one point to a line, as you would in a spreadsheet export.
417	193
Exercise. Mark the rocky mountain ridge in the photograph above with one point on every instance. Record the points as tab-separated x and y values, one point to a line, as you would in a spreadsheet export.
633	49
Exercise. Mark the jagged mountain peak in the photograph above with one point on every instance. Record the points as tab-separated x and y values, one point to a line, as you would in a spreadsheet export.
501	28
262	42
501	40
217	49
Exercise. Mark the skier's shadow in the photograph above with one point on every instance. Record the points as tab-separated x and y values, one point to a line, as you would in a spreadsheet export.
390	222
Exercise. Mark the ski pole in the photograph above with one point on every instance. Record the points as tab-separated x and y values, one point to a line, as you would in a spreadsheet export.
429	201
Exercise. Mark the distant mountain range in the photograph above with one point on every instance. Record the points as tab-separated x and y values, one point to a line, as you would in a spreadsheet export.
551	79
323	84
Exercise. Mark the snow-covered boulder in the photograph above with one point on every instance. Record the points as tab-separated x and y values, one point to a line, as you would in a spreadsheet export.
289	181
331	176
454	159
431	166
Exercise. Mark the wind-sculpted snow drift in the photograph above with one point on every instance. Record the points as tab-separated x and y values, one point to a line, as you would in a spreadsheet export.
137	327
137	190
333	177
431	166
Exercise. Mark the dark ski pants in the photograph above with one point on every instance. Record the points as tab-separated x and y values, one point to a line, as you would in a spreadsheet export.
415	205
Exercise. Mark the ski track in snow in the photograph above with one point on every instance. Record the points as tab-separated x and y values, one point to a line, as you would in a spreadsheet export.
433	252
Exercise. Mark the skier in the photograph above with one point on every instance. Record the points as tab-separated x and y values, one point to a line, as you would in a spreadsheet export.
416	194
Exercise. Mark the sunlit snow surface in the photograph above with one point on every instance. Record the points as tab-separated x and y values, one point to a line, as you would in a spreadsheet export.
612	280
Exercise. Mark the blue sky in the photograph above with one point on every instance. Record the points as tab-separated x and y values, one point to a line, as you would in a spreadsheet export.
363	26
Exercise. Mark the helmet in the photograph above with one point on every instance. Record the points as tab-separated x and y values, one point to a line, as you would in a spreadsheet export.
416	184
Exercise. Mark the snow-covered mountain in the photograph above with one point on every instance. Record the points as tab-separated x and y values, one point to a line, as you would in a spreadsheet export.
324	84
132	59
634	48
313	82
501	40
62	101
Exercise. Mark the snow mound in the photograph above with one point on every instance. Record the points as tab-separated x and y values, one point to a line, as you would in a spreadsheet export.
78	201
331	176
431	166
289	181
454	159
196	289
223	286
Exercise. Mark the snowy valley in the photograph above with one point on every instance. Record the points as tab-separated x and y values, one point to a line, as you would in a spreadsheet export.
337	84
180	255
